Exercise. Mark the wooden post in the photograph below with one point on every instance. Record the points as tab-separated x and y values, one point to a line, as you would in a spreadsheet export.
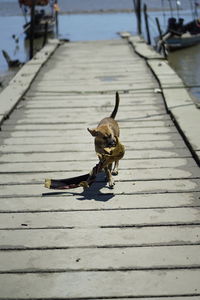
171	8
159	28
147	25
161	38
137	7
32	30
139	17
45	34
56	16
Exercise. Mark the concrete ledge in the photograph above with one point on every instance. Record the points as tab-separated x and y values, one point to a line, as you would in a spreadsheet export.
188	119
178	101
142	49
165	74
177	97
198	154
17	87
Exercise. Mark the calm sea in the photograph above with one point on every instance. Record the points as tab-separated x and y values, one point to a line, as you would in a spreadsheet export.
99	19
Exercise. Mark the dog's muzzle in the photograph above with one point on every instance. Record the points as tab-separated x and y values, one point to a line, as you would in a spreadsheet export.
111	143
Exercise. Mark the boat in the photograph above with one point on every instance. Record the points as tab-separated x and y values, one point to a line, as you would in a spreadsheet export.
44	22
186	40
179	34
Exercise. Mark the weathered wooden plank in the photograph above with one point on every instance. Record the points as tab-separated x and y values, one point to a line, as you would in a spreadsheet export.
126	133
114	71
97	78
60	106
108	218
103	103
86	138
87	165
40	100
68	156
96	64
165	257
101	284
160	298
87	86
78	202
77	147
167	186
35	127
141	117
138	97
97	71
93	66
96	112
94	118
99	237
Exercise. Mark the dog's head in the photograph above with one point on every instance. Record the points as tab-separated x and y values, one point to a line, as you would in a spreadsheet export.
104	135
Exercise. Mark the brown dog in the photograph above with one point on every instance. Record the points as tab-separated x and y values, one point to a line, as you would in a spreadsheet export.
105	137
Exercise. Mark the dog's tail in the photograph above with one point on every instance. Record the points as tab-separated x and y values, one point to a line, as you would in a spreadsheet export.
113	114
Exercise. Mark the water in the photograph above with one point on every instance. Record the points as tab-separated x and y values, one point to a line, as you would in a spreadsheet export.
186	62
81	20
11	7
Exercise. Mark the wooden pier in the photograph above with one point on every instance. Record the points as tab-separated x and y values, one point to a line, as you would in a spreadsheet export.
140	240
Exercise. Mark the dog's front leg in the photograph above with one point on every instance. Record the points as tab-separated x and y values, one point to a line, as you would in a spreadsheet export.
115	169
109	177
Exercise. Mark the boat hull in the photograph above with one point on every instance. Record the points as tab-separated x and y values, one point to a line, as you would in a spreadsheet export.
40	29
176	43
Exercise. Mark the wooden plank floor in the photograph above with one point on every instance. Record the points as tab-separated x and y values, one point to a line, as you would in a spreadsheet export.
140	240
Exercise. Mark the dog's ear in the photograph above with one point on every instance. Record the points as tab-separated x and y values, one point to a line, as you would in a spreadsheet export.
93	132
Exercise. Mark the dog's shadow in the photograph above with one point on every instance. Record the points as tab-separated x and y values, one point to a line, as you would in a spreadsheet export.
94	191
91	193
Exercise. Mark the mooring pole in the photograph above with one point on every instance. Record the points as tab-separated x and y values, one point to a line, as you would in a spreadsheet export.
137	7
171	8
139	17
45	35
161	37
159	28
32	30
147	24
56	15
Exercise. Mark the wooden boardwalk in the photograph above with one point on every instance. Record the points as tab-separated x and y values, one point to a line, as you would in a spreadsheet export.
140	240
